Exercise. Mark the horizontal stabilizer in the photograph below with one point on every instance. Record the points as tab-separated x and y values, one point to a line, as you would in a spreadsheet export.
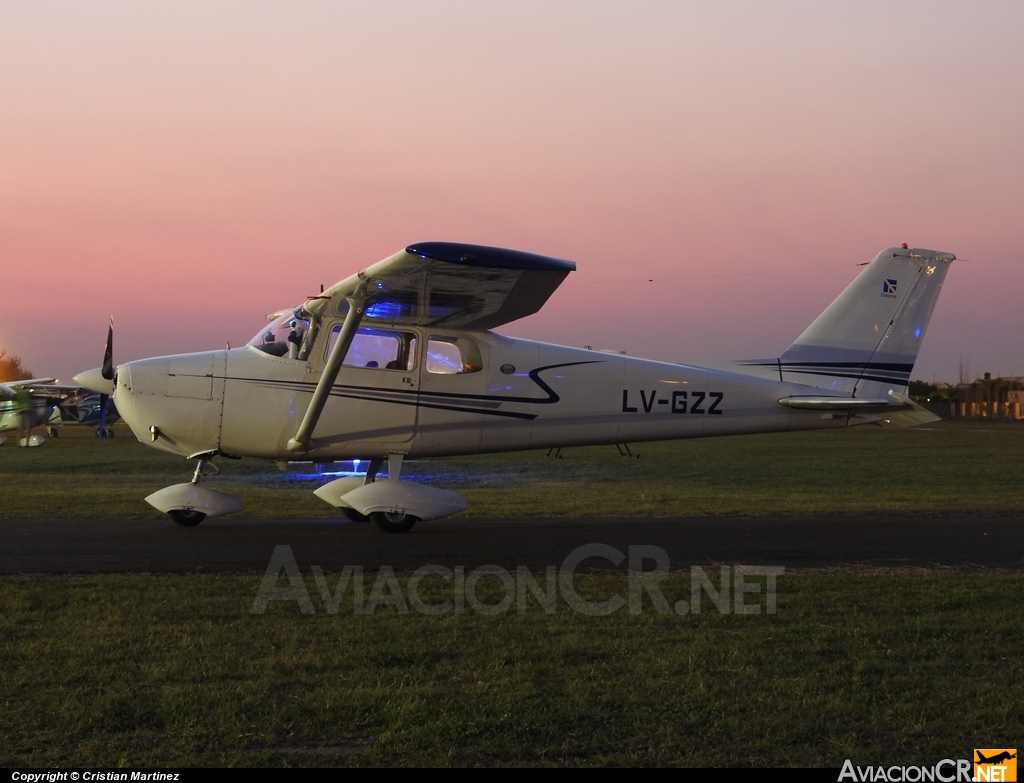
898	410
910	415
834	403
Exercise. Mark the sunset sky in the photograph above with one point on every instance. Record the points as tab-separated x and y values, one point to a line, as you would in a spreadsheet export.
190	167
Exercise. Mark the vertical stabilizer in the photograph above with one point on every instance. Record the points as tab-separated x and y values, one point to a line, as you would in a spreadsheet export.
866	342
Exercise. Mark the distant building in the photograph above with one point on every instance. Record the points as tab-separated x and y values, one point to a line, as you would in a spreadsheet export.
989	398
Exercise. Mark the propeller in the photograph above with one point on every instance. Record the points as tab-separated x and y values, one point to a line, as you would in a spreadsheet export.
107	371
102	380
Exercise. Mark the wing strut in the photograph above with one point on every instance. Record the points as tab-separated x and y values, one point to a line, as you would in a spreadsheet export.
302	441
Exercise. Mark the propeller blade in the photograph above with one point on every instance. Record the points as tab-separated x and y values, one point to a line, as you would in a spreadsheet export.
108	353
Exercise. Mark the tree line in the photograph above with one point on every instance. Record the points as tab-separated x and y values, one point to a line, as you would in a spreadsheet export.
11	368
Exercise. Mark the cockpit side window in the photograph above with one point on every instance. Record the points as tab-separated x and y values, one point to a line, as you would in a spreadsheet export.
452	356
382	349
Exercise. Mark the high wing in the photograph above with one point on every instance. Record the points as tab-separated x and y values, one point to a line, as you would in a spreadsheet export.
464	286
30	382
47	386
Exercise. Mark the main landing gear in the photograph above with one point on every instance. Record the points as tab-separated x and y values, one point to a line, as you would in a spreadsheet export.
398	521
395	521
391	505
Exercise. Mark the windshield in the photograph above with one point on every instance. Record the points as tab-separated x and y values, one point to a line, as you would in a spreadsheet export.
290	335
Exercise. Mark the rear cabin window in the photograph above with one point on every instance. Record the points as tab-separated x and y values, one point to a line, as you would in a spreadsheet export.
452	356
380	349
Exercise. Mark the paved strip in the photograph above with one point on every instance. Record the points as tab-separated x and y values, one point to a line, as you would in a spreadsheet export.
226	545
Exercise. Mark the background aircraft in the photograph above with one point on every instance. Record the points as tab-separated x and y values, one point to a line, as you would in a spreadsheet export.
43	405
82	407
56	405
398	360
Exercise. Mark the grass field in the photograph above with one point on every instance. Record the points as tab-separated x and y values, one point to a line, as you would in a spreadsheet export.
143	671
971	466
879	666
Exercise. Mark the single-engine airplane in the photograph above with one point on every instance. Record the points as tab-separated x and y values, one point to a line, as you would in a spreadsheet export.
41	405
79	407
398	360
54	405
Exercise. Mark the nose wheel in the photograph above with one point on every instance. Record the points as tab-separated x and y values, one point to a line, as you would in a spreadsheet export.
189	517
191	503
186	518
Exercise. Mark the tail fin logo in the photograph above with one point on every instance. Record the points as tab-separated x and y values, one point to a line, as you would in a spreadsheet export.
889	287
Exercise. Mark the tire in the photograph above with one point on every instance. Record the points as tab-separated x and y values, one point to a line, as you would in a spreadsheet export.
108	433
187	518
353	515
393	523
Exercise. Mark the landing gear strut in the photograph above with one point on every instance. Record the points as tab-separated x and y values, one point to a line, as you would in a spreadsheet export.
372	468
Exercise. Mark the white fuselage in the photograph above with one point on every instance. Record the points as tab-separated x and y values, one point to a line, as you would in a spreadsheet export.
520	395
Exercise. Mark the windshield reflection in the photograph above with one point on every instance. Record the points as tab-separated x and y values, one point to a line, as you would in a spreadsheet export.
289	336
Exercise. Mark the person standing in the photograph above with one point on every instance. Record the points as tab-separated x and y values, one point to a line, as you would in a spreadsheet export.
23	407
